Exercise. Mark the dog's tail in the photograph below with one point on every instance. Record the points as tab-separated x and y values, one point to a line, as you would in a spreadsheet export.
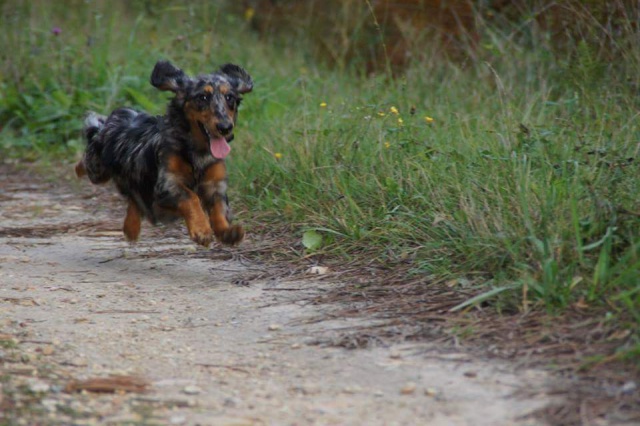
93	123
91	163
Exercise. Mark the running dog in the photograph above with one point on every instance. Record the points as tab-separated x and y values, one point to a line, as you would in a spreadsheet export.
172	166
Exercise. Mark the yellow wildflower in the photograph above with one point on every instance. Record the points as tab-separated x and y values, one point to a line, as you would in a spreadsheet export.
394	110
400	121
387	145
323	104
381	114
428	119
277	155
248	13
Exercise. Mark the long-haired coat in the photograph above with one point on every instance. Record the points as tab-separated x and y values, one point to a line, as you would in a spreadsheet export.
172	165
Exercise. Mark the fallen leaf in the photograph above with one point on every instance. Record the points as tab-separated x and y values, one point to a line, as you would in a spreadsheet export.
8	338
22	301
312	240
452	283
111	384
581	304
619	335
408	389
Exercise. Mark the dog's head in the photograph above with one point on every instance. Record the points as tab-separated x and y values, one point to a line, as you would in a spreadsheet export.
210	102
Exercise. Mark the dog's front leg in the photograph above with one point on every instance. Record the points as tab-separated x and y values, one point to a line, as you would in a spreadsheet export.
197	223
213	192
174	195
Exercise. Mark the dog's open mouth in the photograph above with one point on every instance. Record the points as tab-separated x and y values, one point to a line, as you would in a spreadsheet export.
219	146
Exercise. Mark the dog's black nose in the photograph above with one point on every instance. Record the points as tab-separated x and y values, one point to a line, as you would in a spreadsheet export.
224	128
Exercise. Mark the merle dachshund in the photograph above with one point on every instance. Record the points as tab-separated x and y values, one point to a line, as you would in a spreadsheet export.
172	166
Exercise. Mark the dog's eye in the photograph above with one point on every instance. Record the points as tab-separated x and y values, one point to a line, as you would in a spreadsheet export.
231	100
204	98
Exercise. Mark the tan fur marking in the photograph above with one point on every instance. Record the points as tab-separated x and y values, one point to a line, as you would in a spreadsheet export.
218	218
180	168
197	222
81	170
194	116
132	222
225	88
208	88
190	209
215	174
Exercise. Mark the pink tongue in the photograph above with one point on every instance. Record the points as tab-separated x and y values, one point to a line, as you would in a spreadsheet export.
219	148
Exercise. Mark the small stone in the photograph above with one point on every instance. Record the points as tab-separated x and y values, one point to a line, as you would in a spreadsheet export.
430	392
275	327
50	404
192	390
395	354
318	270
408	389
470	374
79	362
296	346
39	387
352	389
231	402
177	419
628	388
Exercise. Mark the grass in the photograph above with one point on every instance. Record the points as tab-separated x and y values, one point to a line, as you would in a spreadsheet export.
517	171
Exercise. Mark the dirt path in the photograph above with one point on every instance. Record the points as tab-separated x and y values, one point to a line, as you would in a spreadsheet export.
77	303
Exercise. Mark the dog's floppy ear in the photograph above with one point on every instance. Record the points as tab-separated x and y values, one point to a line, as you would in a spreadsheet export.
166	76
239	77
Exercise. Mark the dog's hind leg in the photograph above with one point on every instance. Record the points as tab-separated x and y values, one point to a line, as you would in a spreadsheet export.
81	170
132	222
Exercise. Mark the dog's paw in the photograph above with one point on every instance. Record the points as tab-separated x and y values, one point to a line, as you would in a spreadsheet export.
202	237
131	235
231	236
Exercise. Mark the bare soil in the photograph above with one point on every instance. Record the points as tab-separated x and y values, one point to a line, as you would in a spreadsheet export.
97	331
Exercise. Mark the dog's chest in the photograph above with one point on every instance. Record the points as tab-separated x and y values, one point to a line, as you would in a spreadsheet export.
201	163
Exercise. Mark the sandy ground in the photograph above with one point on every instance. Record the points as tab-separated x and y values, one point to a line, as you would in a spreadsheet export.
213	347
